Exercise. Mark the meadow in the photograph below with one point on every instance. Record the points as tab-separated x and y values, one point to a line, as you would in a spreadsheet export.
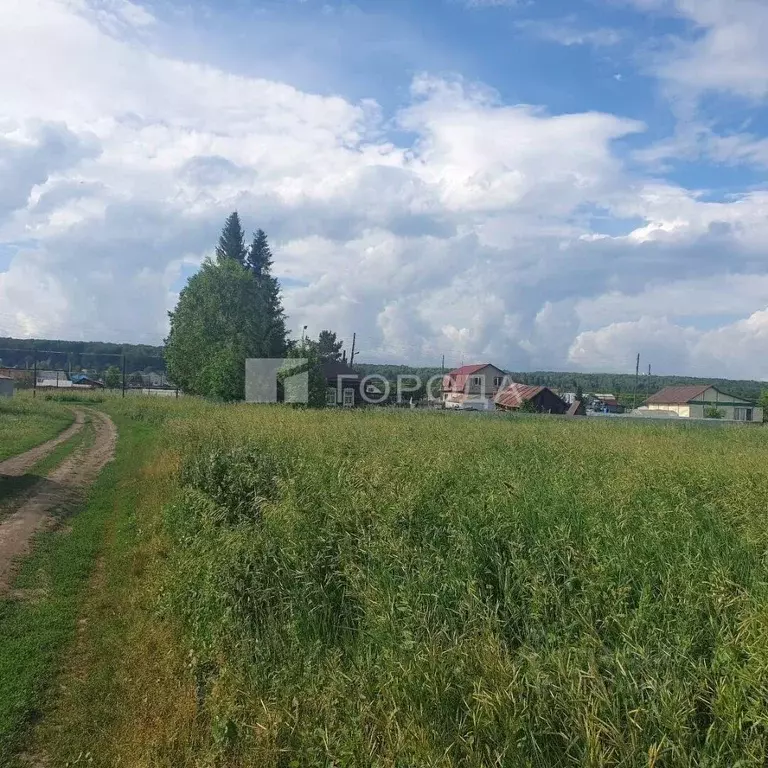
297	588
25	422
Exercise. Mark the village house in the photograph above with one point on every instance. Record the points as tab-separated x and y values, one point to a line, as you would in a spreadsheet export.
343	384
472	387
701	402
540	399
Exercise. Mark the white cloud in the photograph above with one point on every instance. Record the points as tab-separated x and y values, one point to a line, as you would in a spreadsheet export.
740	348
568	32
726	53
470	235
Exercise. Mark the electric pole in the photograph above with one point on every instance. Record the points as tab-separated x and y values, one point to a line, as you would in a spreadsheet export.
637	376
352	354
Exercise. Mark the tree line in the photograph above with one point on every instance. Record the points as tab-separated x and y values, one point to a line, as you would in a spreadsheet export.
95	356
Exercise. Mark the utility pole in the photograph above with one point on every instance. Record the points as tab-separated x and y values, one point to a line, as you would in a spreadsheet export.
123	375
442	366
352	354
637	376
34	364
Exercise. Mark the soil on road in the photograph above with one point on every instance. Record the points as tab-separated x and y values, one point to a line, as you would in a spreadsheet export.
60	492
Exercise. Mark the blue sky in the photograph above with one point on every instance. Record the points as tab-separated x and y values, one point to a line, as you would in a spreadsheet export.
541	183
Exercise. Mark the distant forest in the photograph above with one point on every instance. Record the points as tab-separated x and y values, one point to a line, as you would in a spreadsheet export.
619	384
92	356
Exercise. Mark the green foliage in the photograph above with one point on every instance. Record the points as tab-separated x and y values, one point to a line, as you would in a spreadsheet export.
527	406
763	403
216	325
79	355
113	377
316	383
713	412
232	241
328	347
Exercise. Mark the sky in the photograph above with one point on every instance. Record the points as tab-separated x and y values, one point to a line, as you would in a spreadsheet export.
541	184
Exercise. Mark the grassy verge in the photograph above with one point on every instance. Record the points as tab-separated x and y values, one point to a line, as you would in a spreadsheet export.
126	697
25	423
35	632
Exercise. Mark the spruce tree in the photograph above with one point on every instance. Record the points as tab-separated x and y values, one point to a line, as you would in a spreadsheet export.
328	347
259	261
232	241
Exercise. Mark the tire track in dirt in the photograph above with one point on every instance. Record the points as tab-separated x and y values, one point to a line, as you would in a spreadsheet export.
63	489
19	465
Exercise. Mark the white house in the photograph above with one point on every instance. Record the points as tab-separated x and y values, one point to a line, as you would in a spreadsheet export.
473	387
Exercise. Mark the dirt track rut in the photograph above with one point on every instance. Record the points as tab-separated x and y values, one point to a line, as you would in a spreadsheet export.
19	465
62	490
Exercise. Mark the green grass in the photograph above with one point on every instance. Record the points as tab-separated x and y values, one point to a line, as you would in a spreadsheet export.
25	423
405	589
36	633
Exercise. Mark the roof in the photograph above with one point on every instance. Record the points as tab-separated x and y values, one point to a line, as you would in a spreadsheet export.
573	410
678	395
468	370
456	380
333	369
516	394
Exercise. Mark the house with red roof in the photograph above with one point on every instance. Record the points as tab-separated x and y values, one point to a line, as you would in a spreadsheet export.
472	387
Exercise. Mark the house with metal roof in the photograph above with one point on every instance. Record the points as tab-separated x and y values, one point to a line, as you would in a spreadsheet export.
472	387
701	402
515	397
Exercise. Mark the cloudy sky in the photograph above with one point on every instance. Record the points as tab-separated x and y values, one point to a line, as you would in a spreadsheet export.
552	184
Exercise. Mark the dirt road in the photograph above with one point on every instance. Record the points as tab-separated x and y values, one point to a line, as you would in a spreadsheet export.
60	492
18	465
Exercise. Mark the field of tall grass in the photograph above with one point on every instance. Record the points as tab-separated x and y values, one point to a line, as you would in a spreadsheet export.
403	589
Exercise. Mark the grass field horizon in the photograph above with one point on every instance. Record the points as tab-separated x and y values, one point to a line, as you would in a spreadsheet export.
392	589
376	588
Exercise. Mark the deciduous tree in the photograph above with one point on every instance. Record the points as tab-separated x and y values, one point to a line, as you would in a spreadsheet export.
214	328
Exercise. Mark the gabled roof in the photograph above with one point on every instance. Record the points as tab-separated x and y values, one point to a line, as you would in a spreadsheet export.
468	370
515	395
456	380
678	395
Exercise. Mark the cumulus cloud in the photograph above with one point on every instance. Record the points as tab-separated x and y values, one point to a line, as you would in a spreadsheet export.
456	224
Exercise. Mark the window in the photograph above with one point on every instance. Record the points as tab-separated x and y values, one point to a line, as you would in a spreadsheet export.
742	414
477	380
498	381
349	397
330	396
